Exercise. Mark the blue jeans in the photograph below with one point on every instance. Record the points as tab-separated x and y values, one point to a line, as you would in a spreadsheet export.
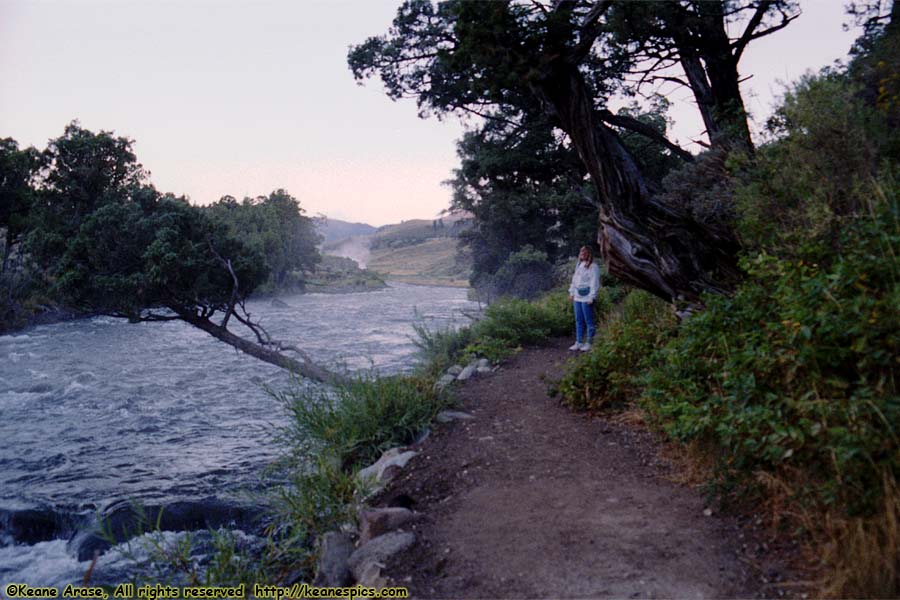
584	320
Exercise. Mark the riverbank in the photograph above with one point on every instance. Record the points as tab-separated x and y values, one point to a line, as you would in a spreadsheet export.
192	418
528	499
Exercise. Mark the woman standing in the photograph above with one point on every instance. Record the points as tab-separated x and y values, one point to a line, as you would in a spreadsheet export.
584	288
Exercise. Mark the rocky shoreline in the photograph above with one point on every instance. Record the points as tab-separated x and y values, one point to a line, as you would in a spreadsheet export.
358	554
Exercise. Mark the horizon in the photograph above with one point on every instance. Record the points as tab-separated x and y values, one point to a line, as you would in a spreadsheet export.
228	98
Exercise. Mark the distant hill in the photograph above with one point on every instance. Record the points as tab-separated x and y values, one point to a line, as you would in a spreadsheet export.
334	229
414	251
432	262
416	231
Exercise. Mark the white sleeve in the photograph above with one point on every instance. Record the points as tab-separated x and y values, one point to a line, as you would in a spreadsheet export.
573	286
595	282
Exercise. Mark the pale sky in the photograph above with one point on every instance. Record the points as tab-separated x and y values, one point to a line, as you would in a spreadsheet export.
243	97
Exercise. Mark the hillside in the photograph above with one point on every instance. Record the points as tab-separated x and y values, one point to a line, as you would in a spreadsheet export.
333	230
420	251
431	262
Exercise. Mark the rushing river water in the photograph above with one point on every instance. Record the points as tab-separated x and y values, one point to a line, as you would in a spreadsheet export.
100	411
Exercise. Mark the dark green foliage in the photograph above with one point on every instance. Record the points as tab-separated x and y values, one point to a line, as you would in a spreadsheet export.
104	240
525	274
608	376
524	188
84	172
815	179
356	421
799	368
109	242
275	228
18	168
152	251
505	326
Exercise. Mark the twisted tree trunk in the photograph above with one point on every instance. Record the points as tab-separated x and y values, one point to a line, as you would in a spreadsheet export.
642	241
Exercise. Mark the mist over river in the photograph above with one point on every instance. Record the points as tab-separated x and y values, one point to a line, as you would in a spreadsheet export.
99	411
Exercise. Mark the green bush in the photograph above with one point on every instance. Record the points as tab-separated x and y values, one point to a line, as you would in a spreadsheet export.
518	322
440	348
815	177
505	326
524	274
622	348
356	421
798	369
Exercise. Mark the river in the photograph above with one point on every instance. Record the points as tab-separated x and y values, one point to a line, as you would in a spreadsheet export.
98	412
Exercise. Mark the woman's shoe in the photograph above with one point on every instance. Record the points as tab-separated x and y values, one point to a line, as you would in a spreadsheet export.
575	346
585	347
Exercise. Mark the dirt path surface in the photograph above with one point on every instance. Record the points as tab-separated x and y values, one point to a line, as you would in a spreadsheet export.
531	500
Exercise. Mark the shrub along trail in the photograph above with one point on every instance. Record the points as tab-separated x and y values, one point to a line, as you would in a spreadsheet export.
531	500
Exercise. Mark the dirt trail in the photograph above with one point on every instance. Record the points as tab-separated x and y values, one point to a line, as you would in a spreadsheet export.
530	500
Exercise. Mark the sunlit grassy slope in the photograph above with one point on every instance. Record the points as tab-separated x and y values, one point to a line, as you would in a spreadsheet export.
432	262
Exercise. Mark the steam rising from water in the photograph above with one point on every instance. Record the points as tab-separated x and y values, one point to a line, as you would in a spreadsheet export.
354	248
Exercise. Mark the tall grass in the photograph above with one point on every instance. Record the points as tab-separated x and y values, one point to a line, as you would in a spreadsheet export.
356	421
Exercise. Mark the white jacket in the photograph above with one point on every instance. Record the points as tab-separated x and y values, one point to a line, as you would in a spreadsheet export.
585	277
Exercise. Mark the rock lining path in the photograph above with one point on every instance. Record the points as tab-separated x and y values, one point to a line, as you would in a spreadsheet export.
529	500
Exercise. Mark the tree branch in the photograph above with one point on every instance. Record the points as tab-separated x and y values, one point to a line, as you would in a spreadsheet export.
266	340
750	32
677	80
154	317
588	31
645	130
235	283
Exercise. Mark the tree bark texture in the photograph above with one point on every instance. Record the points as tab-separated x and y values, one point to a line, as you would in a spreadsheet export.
642	241
711	68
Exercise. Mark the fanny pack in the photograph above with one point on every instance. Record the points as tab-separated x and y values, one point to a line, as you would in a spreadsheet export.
583	291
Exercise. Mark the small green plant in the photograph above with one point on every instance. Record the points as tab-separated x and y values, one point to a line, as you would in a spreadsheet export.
506	326
608	375
440	348
516	322
318	498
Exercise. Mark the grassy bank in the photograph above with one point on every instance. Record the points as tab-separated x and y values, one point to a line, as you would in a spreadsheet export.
336	274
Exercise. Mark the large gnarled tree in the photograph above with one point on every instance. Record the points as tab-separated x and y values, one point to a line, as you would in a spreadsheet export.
491	58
